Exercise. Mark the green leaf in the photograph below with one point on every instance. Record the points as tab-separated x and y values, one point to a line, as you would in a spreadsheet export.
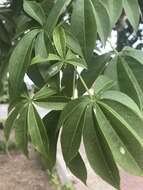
102	20
47	5
74	60
44	93
111	71
134	53
114	9
120	132
53	102
137	69
128	82
59	39
4	34
78	168
34	10
132	11
83	26
51	123
133	118
68	80
121	98
39	59
71	107
21	130
102	84
40	45
72	131
19	62
53	70
55	13
73	44
97	150
37	132
95	67
11	119
35	75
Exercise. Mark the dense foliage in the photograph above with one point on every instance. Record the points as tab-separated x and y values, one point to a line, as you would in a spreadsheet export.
101	105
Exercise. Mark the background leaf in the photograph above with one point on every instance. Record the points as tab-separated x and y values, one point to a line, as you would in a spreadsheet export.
34	10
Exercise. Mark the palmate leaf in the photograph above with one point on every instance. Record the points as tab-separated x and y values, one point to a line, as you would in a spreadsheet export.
105	146
109	122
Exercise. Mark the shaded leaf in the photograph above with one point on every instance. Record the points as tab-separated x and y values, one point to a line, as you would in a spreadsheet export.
34	10
21	130
95	67
11	119
51	123
37	132
78	168
68	80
